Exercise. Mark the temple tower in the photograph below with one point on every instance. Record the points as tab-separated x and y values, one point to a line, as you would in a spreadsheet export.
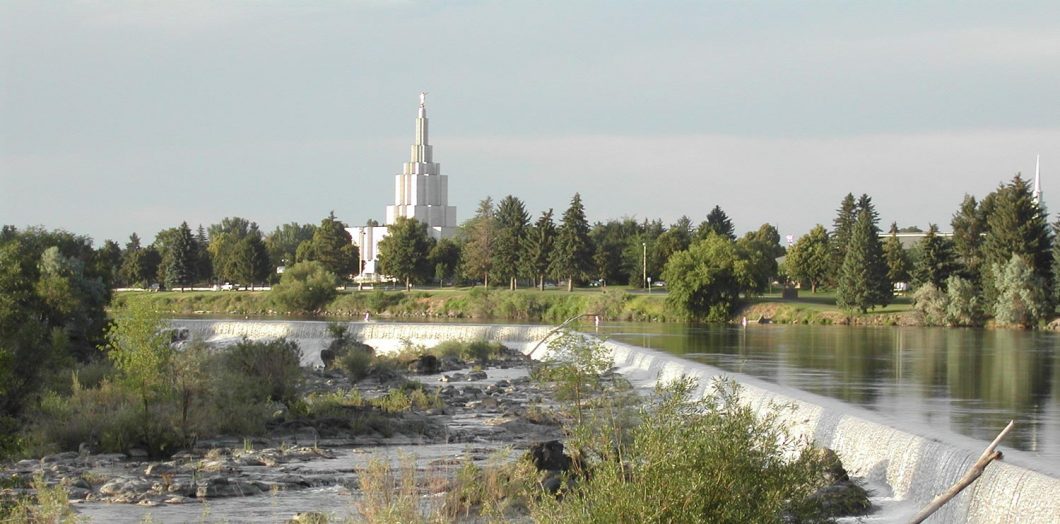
421	191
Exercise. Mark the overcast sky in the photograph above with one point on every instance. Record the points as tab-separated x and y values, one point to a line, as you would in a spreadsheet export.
118	117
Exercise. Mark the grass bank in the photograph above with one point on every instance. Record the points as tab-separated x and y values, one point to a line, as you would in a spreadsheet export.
530	305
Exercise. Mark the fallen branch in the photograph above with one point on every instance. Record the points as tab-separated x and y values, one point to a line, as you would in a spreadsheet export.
973	473
557	330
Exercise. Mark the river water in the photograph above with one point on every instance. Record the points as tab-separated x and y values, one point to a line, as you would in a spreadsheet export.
971	381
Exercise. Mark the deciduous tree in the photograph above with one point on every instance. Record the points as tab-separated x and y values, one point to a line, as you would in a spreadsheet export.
809	261
403	252
480	235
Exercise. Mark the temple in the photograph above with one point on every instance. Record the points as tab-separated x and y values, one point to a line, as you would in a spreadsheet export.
421	192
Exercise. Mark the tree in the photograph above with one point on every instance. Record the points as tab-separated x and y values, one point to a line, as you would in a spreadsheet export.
610	240
403	252
717	222
512	223
141	352
758	262
444	257
968	225
479	237
842	228
1016	225
1022	299
572	257
305	287
768	237
282	244
108	263
897	258
809	261
139	265
203	267
539	243
706	280
863	282
935	261
180	257
333	247
237	251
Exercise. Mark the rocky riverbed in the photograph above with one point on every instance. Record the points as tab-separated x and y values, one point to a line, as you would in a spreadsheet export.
307	468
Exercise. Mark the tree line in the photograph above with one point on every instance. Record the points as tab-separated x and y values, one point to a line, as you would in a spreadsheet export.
1000	262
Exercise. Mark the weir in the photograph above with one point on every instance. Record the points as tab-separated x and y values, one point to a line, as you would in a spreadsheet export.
914	464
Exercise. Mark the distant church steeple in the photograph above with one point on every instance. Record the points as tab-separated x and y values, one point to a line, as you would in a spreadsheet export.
1037	180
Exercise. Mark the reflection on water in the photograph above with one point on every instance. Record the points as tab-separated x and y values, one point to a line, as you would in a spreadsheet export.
972	380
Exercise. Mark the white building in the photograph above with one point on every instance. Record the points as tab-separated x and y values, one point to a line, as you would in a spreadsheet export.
421	191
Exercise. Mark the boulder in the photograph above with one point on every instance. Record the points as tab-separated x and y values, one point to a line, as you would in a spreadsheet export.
549	456
425	365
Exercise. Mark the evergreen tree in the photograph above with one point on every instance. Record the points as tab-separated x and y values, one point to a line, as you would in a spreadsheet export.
572	257
842	228
717	222
863	282
512	223
180	259
969	224
809	261
897	258
610	239
403	251
203	268
539	244
1016	225
480	234
108	263
936	260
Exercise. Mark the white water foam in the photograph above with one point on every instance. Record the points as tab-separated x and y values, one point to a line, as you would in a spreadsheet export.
907	467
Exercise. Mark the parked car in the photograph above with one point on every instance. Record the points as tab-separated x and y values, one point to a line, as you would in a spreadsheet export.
228	287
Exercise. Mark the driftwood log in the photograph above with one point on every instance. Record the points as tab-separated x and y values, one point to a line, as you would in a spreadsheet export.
973	473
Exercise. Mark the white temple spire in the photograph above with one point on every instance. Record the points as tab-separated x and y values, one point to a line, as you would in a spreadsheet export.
1037	180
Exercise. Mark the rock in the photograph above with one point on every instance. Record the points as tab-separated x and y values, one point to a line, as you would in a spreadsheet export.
455	377
549	456
162	468
425	365
137	454
477	375
552	482
60	457
112	488
842	499
220	487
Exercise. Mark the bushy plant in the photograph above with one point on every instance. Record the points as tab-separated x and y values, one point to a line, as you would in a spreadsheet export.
962	303
48	504
930	304
575	363
708	460
1022	295
304	287
271	368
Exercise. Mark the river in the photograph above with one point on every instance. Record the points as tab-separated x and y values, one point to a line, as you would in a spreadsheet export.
971	381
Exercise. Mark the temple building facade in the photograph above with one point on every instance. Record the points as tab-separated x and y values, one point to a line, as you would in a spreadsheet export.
421	192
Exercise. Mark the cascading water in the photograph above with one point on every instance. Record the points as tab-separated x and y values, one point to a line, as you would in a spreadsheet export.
914	464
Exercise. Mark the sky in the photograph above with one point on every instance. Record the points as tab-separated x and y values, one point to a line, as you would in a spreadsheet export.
121	117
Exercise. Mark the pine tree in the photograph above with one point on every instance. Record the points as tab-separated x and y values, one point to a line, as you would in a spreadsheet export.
573	253
512	222
538	247
203	269
180	258
842	228
897	258
863	282
479	237
1016	225
717	222
968	225
936	260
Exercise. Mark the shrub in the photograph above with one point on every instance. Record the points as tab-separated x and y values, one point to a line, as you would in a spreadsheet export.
271	368
1022	298
711	460
962	307
930	304
304	287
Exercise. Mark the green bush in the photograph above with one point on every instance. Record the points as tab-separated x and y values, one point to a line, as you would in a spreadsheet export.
711	460
930	304
272	368
304	287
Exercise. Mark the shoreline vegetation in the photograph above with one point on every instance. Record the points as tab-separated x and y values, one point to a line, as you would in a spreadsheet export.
615	303
581	444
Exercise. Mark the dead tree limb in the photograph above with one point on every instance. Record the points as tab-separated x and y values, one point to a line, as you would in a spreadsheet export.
973	473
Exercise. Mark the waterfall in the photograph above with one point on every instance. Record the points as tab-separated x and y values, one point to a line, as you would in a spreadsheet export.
915	464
